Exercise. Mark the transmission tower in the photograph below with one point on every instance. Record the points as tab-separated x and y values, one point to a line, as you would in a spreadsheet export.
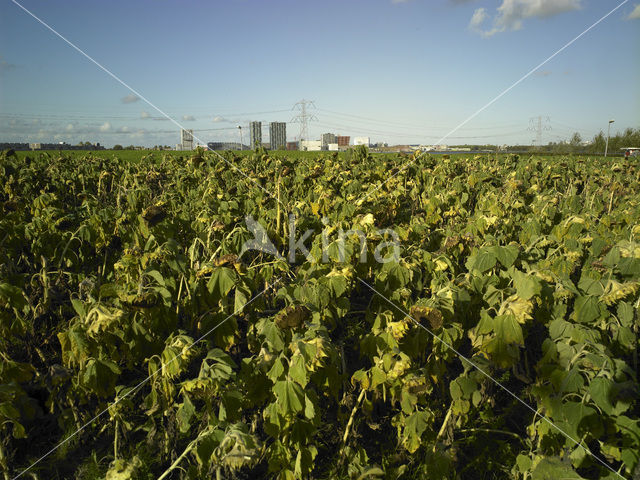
539	124
304	117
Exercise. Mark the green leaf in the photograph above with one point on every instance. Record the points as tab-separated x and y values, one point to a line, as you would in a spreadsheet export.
523	462
590	286
298	370
586	309
12	296
304	461
508	329
377	376
157	276
483	261
276	370
218	365
309	409
185	413
289	396
414	426
338	285
78	306
273	335
371	472
242	296
553	468
625	314
75	345
221	282
600	390
527	285
506	255
100	376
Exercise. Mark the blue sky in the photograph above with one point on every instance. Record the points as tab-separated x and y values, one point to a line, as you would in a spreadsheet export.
396	71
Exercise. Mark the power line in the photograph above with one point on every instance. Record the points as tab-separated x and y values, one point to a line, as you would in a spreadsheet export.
414	125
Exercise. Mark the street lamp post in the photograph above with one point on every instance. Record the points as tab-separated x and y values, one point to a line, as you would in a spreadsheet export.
606	147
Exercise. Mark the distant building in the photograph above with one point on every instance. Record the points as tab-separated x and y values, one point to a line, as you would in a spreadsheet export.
186	140
311	145
332	147
48	146
292	145
343	141
328	138
225	146
366	141
255	134
278	135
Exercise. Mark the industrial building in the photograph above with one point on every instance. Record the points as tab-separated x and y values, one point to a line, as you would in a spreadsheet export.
343	141
255	133
328	138
292	145
311	145
366	141
278	135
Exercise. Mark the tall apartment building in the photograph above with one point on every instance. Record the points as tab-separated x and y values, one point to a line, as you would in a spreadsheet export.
186	139
328	138
278	135
255	133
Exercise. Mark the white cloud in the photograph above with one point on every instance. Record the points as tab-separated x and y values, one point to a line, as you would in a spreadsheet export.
219	119
69	127
131	98
635	14
144	114
511	14
188	118
479	16
105	127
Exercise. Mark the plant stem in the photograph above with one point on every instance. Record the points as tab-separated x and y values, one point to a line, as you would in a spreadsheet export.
443	427
350	423
3	463
278	207
490	430
115	441
178	460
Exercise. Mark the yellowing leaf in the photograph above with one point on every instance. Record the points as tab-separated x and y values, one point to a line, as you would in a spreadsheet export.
518	307
616	291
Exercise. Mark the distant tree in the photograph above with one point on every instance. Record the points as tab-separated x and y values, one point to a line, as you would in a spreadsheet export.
576	140
598	144
117	147
130	147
